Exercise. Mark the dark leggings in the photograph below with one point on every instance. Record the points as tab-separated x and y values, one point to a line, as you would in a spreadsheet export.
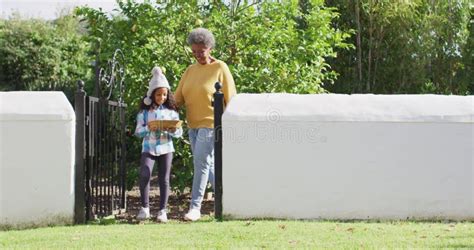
164	168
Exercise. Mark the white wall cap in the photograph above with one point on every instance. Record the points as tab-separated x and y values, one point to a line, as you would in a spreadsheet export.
35	105
357	107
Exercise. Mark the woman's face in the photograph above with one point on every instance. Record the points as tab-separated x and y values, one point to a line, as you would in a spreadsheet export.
161	94
201	53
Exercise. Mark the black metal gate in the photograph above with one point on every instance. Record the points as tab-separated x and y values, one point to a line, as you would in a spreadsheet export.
100	145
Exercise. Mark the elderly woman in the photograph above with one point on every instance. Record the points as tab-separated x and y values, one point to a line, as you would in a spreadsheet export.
195	91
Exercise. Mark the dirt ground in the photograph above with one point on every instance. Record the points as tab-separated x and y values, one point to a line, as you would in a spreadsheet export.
177	205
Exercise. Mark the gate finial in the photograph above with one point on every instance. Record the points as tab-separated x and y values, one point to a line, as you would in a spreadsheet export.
218	87
80	85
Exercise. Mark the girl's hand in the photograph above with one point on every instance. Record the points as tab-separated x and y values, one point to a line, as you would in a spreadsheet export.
152	128
171	130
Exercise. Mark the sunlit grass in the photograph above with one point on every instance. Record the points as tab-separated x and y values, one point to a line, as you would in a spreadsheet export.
254	234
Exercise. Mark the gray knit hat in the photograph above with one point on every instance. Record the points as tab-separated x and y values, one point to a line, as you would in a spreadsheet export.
157	81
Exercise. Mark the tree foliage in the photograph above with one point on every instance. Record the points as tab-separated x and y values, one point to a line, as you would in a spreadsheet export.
415	46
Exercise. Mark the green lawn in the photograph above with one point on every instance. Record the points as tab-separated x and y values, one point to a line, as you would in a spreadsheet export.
254	234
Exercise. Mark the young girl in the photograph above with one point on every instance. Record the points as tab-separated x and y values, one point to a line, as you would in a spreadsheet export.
158	104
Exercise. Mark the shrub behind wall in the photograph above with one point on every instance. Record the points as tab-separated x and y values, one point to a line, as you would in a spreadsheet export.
42	55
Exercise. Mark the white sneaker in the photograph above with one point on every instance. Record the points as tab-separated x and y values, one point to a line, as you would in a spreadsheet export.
162	216
193	215
144	213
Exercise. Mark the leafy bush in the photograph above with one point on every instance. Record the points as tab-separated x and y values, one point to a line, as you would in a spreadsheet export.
42	55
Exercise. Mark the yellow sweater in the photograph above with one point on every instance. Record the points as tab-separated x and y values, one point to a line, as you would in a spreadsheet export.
196	88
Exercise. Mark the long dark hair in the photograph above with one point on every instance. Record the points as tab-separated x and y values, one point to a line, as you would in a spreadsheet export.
170	102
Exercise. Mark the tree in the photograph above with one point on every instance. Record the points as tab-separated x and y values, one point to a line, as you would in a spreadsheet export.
405	46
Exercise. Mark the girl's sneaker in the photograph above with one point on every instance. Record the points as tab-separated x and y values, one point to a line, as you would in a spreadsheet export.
144	213
193	215
162	216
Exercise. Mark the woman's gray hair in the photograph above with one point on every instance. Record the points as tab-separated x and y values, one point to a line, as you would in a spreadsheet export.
201	36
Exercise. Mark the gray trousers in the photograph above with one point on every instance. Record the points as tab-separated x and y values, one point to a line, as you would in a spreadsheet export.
164	170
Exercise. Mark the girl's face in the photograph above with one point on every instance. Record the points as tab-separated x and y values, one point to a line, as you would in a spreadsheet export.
201	53
161	94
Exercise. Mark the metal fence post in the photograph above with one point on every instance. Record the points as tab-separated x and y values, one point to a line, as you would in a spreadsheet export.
123	170
79	197
218	110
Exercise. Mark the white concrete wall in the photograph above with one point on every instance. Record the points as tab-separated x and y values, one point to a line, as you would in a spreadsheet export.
281	166
36	159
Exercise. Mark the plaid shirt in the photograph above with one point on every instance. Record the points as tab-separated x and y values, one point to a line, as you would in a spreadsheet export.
157	142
